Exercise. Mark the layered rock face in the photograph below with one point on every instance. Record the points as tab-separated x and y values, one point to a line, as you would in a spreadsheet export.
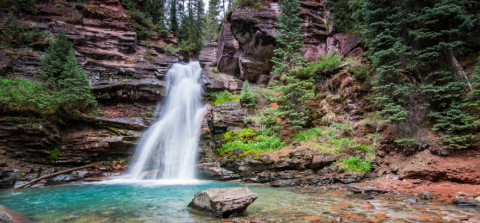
126	73
246	42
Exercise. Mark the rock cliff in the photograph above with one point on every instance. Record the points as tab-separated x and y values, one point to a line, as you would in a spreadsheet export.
246	42
126	73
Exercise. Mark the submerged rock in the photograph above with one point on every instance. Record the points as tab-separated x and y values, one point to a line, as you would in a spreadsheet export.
9	216
224	202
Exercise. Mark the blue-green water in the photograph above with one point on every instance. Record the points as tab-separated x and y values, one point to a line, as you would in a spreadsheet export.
159	201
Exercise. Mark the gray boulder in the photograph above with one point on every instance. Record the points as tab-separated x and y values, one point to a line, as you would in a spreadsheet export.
223	202
9	216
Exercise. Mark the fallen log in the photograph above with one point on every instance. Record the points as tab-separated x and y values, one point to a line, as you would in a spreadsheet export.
54	174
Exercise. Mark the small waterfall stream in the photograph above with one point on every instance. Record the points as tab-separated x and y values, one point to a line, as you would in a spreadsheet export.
168	148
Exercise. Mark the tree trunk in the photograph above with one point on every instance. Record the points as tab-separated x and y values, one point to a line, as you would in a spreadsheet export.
54	174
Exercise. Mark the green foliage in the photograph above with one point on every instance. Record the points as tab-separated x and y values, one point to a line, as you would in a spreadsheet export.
473	97
354	164
13	32
292	101
148	20
406	142
64	77
249	98
215	70
25	6
315	69
246	135
289	37
170	48
411	45
54	154
248	3
20	94
96	112
308	134
261	144
223	97
359	72
346	14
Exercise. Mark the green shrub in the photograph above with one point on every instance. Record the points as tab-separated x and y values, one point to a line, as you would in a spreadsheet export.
354	164
169	48
25	5
262	144
14	33
406	142
249	98
54	154
20	94
359	72
315	69
215	70
223	97
308	134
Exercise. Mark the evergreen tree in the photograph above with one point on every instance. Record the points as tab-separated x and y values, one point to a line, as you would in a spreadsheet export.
295	91
411	45
249	97
289	37
64	77
173	15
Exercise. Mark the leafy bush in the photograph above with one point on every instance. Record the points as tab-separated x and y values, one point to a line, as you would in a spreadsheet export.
14	32
215	70
315	69
308	134
25	5
169	48
249	98
246	135
223	97
262	144
20	94
54	155
359	72
354	164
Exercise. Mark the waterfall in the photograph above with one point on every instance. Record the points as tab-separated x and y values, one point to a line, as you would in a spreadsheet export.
168	148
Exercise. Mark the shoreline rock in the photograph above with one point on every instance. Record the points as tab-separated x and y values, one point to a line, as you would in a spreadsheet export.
9	216
223	202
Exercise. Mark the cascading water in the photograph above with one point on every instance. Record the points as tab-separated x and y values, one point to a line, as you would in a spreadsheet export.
168	149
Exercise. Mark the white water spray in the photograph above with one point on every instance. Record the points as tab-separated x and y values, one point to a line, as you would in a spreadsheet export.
168	148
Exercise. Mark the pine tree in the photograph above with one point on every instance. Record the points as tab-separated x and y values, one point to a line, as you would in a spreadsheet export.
295	91
64	77
411	45
249	98
289	38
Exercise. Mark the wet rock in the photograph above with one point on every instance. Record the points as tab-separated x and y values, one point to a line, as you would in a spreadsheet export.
320	161
410	200
465	199
224	202
368	190
285	183
221	173
350	177
226	115
425	195
9	216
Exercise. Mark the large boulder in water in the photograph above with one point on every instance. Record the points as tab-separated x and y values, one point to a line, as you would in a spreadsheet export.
224	201
9	216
